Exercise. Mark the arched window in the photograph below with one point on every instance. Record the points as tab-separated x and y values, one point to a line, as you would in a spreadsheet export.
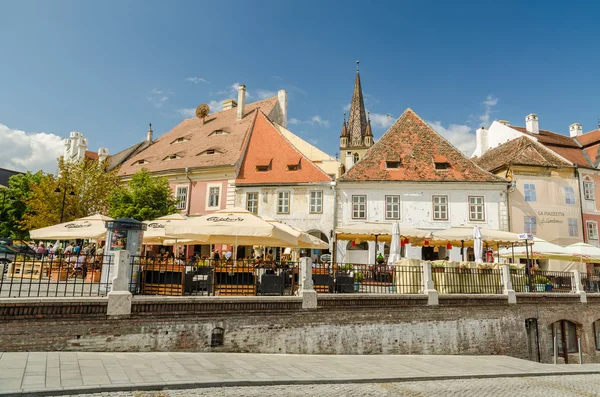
597	333
355	158
565	332
217	337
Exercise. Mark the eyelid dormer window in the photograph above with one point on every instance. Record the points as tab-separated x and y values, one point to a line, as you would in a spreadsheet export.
172	157
142	161
180	140
219	132
209	152
393	164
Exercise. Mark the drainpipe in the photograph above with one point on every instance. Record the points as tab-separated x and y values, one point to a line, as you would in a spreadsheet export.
583	229
335	208
187	175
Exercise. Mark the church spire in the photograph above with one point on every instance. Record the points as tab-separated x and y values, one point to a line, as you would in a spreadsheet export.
357	121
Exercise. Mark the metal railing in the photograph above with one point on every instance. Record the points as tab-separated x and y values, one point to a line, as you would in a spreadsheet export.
47	275
591	282
542	281
178	277
462	280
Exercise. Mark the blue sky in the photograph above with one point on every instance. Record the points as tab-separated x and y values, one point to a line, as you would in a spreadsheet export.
109	68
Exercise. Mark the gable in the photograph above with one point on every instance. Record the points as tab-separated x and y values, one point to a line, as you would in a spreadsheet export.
424	155
271	158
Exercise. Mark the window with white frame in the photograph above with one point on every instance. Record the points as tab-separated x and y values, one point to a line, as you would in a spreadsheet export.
592	230
316	202
359	207
252	202
569	195
392	207
213	196
181	196
440	208
476	212
573	229
283	202
530	192
588	190
530	224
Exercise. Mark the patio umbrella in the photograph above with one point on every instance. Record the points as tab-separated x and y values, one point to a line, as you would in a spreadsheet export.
458	234
155	231
305	240
395	249
378	231
583	252
477	244
90	227
231	226
540	249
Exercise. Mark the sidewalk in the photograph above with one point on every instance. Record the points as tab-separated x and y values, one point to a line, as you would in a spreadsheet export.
53	373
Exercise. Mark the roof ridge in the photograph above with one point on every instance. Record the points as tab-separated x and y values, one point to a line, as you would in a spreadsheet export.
292	145
248	104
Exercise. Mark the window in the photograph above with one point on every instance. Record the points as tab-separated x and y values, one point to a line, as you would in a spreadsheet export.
573	229
140	162
219	132
597	333
392	164
211	151
172	157
213	196
440	208
530	192
316	202
359	207
294	167
442	166
588	190
252	202
283	202
592	230
181	196
569	195
566	336
355	157
476	208
262	168
392	207
530	224
180	140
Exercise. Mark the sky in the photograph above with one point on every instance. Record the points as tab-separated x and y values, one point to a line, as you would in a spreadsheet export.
107	69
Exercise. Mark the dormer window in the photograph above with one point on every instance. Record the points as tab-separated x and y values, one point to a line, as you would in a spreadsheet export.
293	163
180	140
393	164
263	165
172	157
142	161
209	152
442	166
219	132
294	167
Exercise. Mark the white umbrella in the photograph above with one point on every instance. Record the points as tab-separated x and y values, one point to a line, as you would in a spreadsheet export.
90	227
155	229
305	240
395	249
459	234
231	226
377	231
477	244
540	249
584	252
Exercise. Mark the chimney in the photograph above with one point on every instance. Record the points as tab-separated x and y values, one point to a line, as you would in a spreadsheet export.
505	122
282	99
575	130
102	154
481	136
532	124
241	101
229	104
349	161
149	136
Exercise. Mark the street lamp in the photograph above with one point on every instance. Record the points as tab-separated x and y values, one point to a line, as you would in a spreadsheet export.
64	191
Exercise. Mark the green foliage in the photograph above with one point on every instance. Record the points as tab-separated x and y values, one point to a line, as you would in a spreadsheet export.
540	280
359	277
347	267
13	204
84	188
145	198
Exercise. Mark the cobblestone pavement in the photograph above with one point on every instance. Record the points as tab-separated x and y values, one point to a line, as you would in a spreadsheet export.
544	386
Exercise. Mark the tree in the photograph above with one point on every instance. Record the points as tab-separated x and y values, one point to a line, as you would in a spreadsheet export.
13	204
145	198
80	189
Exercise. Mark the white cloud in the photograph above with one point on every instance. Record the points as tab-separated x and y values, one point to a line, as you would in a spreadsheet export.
314	120
379	120
489	103
196	80
459	135
159	97
22	151
187	112
294	121
156	91
347	107
264	94
318	120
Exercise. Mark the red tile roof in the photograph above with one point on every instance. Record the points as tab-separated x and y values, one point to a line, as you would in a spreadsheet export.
91	155
418	146
228	147
265	138
520	151
592	137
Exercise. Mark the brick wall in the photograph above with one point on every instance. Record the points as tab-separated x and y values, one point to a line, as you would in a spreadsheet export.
371	325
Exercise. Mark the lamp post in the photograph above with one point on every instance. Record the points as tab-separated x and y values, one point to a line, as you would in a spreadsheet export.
64	192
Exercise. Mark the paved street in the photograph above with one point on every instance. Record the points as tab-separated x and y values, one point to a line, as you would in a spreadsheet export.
547	386
71	372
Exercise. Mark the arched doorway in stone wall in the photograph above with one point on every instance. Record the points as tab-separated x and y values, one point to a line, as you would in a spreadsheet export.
316	253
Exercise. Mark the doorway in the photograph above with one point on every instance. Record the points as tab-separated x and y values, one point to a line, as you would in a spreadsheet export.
533	343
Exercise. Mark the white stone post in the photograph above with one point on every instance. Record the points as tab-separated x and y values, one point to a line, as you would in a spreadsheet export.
507	288
428	287
579	287
307	290
119	298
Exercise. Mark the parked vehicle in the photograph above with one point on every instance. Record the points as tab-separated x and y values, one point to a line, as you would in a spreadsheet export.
7	255
21	246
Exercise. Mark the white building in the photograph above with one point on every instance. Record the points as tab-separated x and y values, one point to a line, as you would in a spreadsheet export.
76	149
414	176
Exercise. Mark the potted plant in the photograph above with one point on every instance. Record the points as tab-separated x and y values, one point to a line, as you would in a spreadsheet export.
437	268
380	259
358	278
344	282
540	283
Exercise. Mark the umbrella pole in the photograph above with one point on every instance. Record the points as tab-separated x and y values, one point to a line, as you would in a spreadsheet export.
375	261
498	252
513	252
462	249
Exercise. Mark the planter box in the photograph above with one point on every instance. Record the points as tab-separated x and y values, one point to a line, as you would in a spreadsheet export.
540	287
93	277
59	275
272	284
344	284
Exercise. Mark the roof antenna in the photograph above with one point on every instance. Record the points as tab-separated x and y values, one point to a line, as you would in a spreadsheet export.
357	64
369	117
344	117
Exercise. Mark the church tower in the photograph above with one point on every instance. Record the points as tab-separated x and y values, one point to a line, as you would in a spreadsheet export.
356	136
